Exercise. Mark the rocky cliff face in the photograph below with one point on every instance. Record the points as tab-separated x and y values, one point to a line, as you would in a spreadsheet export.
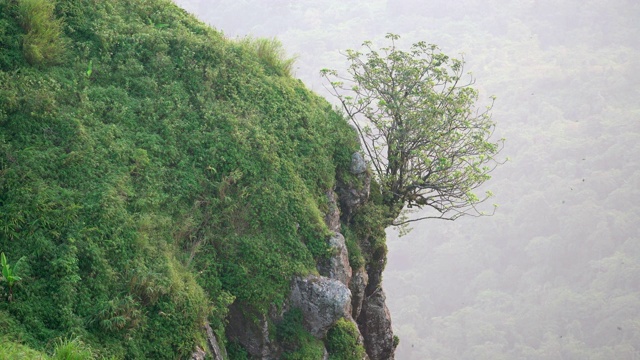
339	291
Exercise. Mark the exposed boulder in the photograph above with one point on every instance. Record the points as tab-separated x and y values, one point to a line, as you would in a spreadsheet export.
375	327
353	192
322	301
358	165
332	217
337	265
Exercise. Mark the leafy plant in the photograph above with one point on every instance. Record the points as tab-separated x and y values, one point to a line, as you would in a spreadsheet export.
9	273
89	68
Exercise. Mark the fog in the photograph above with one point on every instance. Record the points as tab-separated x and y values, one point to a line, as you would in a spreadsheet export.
555	273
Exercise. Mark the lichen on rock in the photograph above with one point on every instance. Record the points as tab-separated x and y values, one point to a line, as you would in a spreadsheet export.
322	300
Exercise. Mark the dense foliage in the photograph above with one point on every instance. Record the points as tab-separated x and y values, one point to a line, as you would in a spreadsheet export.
555	273
342	341
151	173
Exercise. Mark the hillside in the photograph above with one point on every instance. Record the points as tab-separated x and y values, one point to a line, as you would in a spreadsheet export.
152	174
555	274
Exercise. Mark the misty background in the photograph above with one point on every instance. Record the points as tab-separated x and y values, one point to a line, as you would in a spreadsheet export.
555	273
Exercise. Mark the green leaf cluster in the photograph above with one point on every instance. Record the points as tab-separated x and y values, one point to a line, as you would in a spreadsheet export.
9	273
342	341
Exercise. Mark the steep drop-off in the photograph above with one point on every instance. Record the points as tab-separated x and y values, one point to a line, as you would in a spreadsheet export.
174	193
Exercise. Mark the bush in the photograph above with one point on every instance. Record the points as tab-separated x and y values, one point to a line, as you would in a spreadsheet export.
342	341
43	44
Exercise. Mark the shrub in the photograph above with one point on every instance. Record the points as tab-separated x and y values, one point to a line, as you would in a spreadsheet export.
342	341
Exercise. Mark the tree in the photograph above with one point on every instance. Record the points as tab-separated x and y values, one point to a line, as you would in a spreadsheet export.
427	143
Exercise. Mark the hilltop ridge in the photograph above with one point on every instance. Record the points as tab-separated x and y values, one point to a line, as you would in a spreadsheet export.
165	184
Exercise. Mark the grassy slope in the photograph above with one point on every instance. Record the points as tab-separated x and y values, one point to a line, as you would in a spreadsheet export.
152	171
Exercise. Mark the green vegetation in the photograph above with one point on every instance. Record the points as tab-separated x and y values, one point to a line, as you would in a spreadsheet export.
415	114
43	43
237	352
10	274
555	272
64	350
72	350
158	174
342	341
271	53
298	344
14	351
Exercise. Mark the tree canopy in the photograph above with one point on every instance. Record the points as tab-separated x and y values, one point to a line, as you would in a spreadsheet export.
427	142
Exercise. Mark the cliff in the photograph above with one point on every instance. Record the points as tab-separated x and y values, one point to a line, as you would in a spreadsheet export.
174	194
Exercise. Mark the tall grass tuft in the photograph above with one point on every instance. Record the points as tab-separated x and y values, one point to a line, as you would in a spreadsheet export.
271	53
72	350
43	44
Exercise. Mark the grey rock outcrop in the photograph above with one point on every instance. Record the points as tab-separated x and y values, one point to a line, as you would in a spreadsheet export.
322	301
358	284
332	217
198	354
358	164
337	265
375	327
325	355
212	342
251	330
355	192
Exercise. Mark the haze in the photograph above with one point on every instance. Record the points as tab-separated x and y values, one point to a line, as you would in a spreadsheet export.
555	274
